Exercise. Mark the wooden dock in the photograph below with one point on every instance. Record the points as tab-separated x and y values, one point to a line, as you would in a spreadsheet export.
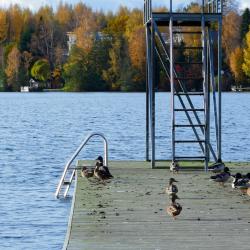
129	211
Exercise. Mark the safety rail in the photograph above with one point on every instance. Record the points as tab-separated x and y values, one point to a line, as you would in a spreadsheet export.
206	6
63	182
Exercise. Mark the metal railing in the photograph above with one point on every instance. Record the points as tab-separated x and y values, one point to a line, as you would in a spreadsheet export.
206	6
62	181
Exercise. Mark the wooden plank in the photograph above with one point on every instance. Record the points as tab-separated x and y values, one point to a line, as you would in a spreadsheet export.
129	211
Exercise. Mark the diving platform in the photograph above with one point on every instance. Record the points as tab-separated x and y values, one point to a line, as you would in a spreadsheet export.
186	48
128	212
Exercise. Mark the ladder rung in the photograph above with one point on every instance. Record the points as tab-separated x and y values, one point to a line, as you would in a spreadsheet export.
188	125
66	183
189	157
180	110
189	141
189	78
191	48
188	63
187	32
189	93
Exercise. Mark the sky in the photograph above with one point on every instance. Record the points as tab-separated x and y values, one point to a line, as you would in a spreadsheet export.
105	5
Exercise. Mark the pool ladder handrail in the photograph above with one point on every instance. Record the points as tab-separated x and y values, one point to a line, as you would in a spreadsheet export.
62	181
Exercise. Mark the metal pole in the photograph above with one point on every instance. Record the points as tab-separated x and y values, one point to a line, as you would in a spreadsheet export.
205	88
219	86
152	90
172	79
147	91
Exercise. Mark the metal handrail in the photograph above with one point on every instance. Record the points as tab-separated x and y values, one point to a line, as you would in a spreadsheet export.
67	166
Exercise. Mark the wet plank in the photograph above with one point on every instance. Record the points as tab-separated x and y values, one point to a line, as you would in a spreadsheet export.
129	211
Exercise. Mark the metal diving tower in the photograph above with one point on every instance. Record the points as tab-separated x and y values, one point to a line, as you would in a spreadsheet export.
194	78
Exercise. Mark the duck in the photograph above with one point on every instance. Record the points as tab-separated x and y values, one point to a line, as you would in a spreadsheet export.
87	173
222	177
171	188
174	167
104	168
241	181
175	208
99	173
247	177
217	167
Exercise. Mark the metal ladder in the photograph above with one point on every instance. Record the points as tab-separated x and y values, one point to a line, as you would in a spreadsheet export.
70	171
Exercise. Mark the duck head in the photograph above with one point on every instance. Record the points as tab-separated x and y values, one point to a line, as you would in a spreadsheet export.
172	180
236	177
247	176
100	159
226	170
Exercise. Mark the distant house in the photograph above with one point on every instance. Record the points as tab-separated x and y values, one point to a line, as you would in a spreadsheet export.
71	40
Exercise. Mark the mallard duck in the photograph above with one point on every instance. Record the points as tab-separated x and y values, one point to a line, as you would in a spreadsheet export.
100	173
222	177
174	167
85	172
240	181
104	168
175	208
171	188
217	167
236	179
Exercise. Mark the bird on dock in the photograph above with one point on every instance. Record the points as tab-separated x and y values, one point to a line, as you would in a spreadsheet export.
104	168
217	167
99	173
175	208
87	173
237	180
222	177
171	188
174	167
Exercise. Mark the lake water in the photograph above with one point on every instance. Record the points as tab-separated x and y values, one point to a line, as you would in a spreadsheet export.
40	131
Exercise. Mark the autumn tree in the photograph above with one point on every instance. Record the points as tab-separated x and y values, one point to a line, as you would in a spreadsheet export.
135	34
43	41
246	51
12	69
231	33
3	34
16	22
236	62
86	27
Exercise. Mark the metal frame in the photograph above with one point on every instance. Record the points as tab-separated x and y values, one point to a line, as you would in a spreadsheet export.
211	11
76	153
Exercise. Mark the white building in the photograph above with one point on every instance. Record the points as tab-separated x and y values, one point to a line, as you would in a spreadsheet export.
71	40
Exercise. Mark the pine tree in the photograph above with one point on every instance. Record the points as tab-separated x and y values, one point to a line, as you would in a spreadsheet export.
245	23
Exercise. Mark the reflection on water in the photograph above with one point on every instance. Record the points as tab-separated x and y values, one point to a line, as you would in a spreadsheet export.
40	131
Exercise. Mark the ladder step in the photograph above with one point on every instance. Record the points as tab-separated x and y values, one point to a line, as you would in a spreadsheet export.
188	125
189	93
189	141
186	32
180	110
191	48
189	78
189	157
189	63
66	183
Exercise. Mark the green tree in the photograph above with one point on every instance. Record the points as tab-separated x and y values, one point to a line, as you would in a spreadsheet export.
244	28
41	70
75	71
